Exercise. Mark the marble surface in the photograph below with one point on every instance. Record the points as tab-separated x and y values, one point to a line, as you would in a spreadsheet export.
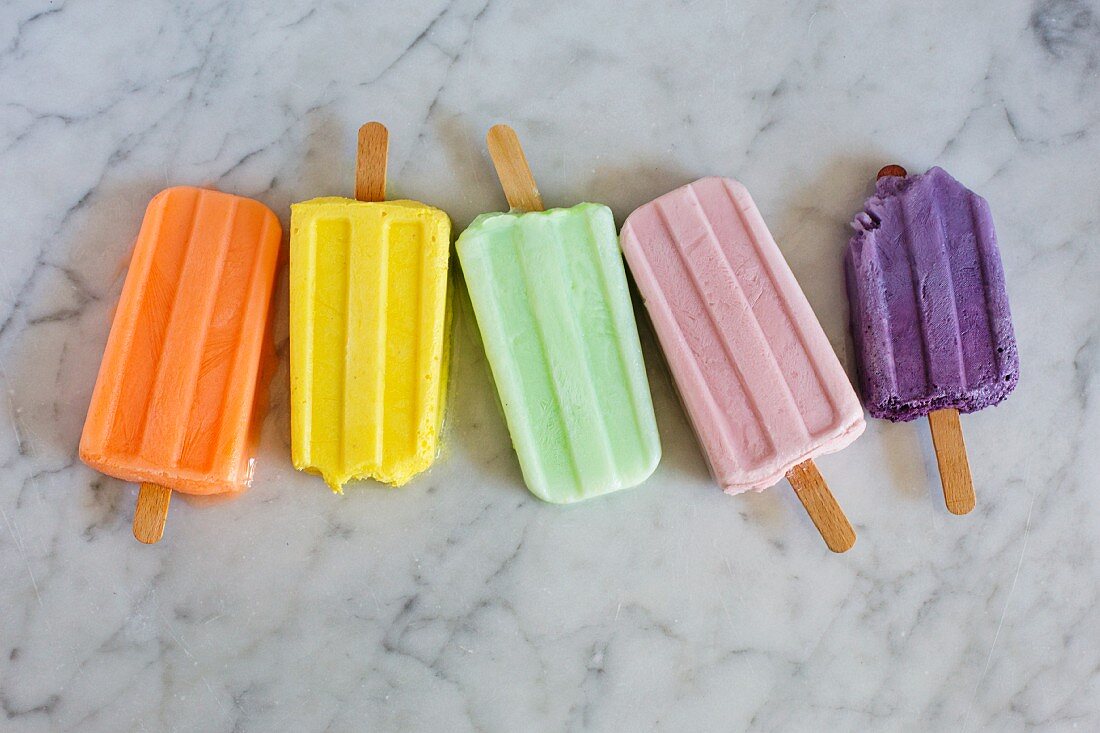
461	602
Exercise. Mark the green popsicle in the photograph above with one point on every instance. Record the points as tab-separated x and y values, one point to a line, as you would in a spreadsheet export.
550	296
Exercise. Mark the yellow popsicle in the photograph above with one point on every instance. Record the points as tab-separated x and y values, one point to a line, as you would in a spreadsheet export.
369	322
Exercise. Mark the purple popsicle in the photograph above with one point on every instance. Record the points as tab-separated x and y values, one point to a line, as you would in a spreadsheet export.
929	312
929	307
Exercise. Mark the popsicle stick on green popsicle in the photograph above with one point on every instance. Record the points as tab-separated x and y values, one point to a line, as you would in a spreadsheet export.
512	169
550	295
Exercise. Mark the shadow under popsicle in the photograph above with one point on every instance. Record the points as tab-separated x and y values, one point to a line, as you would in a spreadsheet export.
813	232
475	422
73	319
623	189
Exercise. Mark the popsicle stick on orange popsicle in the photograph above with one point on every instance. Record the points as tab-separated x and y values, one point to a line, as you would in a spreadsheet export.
947	436
151	513
175	403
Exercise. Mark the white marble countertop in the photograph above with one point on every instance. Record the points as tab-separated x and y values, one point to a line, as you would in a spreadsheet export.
461	602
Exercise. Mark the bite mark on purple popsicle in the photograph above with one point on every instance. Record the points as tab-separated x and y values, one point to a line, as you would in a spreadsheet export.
885	256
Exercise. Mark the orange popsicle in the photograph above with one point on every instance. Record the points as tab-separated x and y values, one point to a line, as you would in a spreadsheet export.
180	394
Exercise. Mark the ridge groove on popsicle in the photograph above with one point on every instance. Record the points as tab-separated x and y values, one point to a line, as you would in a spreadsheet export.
763	391
215	373
180	383
771	366
142	368
943	252
349	291
401	388
982	244
758	233
739	372
599	265
944	328
369	319
643	272
726	414
552	304
587	402
490	322
187	334
553	379
934	257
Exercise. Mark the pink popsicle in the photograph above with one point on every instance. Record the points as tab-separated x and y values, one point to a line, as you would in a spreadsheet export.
758	378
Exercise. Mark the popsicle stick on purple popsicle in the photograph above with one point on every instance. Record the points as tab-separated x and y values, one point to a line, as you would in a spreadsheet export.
947	439
947	436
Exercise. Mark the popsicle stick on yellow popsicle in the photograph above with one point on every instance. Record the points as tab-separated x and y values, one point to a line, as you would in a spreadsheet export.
368	327
947	436
151	513
370	163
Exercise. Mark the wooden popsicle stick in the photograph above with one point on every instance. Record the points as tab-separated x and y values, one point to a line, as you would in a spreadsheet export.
370	162
891	170
512	169
811	489
947	439
151	512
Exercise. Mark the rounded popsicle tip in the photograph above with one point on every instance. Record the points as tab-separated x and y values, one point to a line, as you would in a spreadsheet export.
961	507
371	160
373	128
891	170
498	130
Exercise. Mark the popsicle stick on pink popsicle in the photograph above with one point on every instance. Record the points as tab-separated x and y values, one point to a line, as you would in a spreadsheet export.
759	380
947	436
370	163
810	488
